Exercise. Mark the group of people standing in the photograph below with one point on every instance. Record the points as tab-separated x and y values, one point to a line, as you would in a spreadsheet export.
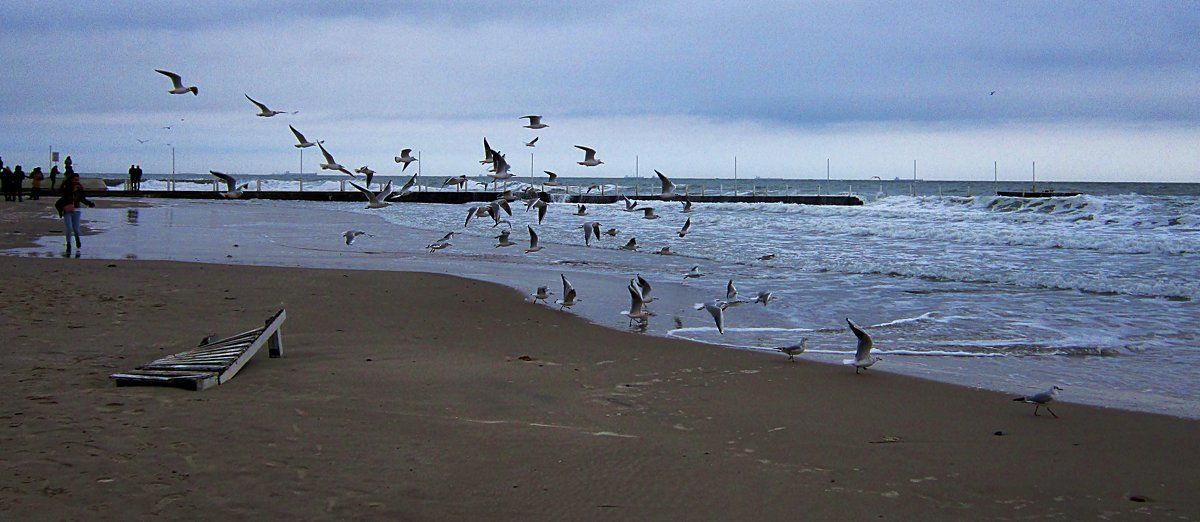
12	181
135	177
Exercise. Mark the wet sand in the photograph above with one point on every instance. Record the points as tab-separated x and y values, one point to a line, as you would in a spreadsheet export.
471	403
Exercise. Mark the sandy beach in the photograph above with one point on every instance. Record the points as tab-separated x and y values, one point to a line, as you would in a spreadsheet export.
411	396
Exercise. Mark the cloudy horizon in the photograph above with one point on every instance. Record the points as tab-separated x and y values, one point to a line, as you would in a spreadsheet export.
1091	92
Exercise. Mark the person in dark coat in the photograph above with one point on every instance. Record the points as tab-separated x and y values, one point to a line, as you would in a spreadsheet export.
16	179
70	204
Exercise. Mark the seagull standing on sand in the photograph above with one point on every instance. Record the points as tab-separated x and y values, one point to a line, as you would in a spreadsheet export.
233	190
569	296
330	164
636	311
303	143
535	122
795	349
177	84
405	157
715	308
1041	400
687	227
589	156
263	111
862	356
668	188
533	241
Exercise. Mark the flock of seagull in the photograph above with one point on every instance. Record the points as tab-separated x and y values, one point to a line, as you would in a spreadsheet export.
640	290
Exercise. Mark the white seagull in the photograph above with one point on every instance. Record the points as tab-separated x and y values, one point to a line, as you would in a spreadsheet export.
531	143
535	122
502	239
553	182
612	232
569	297
589	156
405	157
687	206
442	243
533	241
303	143
366	171
665	251
351	235
542	294
581	210
687	227
636	311
263	111
731	295
541	208
631	245
644	288
591	228
693	273
330	164
488	153
177	83
763	297
795	349
458	180
715	308
630	204
233	190
648	213
375	199
668	188
862	356
1041	400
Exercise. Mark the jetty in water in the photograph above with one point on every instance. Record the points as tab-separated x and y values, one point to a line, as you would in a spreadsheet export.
474	196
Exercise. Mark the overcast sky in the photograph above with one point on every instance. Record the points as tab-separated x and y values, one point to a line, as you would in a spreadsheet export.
1088	90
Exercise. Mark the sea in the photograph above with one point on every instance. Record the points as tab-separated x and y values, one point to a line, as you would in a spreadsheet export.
1098	293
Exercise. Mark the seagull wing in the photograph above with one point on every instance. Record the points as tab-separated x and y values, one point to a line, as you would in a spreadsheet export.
635	300
552	175
687	227
718	314
864	341
261	108
229	181
328	156
730	291
667	186
299	137
176	81
644	285
589	153
533	238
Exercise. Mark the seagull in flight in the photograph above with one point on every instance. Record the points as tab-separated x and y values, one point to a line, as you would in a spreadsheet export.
715	308
731	295
591	228
693	273
502	239
589	156
687	206
375	199
533	241
366	171
330	164
581	210
535	122
488	153
637	311
664	251
631	245
541	206
541	294
648	213
630	204
351	235
440	244
233	190
177	84
1042	400
139	140
405	157
795	349
302	143
644	288
687	227
612	232
569	297
763	297
263	111
459	180
862	356
532	143
668	188
553	182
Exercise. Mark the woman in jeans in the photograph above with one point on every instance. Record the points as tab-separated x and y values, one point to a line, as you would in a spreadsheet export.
69	206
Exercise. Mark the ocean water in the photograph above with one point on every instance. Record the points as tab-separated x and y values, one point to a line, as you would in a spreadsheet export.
1098	292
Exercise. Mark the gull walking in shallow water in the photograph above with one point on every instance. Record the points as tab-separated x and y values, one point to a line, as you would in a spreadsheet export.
795	349
1041	400
233	190
862	356
177	83
589	156
569	296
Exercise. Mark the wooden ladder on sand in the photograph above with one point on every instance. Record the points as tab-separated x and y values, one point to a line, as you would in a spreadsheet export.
211	363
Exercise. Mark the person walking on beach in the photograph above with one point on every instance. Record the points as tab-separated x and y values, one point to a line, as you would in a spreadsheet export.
68	206
53	176
35	185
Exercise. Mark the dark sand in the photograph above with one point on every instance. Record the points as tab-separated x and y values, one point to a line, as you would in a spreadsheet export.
471	404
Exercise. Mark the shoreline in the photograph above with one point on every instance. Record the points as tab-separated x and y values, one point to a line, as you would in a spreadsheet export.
451	407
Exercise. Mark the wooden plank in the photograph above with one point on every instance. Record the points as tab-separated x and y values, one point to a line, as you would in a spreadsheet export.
191	367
